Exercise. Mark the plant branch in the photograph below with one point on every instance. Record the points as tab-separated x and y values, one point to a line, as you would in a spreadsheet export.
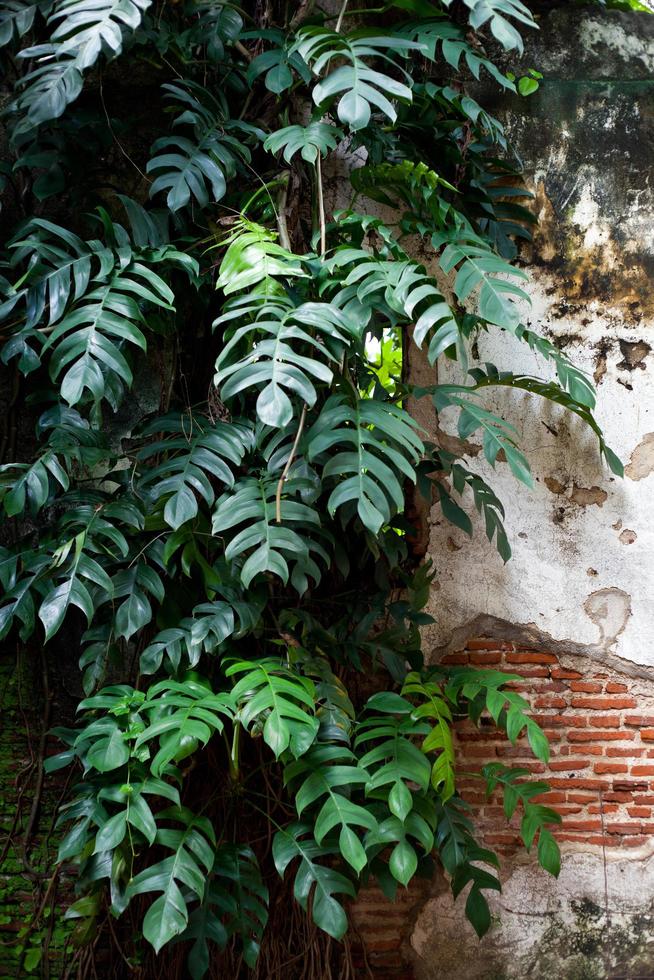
282	224
321	208
339	22
289	463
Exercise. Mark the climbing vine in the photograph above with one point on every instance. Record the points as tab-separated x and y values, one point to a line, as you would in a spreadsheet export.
209	341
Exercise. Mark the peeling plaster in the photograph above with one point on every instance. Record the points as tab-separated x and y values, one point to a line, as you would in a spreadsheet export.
641	463
568	523
610	610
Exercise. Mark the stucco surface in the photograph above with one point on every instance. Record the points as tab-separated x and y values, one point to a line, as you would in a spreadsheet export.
582	571
557	931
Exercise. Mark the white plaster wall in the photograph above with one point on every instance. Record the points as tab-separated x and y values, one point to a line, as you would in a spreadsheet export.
588	532
582	572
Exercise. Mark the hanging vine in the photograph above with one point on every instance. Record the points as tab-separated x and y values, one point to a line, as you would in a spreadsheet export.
234	562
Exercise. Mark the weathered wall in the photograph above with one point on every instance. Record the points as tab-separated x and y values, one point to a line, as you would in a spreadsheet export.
573	609
583	540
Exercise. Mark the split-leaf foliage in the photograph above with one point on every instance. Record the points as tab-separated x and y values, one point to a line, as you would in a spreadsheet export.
232	553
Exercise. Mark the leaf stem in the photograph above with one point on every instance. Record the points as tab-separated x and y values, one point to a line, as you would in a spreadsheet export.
321	207
282	225
289	463
339	22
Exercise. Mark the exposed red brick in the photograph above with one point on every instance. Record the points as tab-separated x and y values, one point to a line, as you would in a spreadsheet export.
529	672
604	721
487	643
642	770
483	657
481	751
553	797
550	702
531	657
563	764
587	687
585	825
599	736
639	811
604	704
575	782
647	734
603	808
565	809
601	767
561	673
613	688
639	721
574	721
574	749
455	658
624	828
585	839
621	753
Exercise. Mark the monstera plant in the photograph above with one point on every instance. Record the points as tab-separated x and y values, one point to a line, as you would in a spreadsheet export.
207	283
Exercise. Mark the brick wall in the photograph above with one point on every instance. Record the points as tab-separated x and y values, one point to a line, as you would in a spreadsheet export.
601	731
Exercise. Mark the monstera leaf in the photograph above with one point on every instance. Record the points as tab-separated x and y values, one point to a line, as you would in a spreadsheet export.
274	537
283	357
189	864
323	778
358	87
195	167
278	702
181	716
311	141
314	882
235	906
377	448
86	343
195	451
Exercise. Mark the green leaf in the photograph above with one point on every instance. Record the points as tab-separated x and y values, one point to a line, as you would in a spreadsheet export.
403	862
112	832
253	256
326	775
311	141
275	353
87	341
549	856
359	88
313	880
527	86
192	454
432	705
273	699
286	547
478	912
109	753
191	860
181	714
479	268
197	167
385	450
